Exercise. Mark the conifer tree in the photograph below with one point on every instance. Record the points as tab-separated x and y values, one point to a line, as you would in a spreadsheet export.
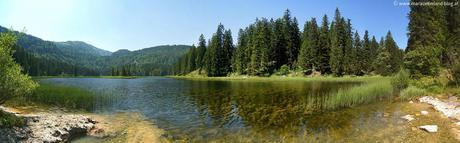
324	45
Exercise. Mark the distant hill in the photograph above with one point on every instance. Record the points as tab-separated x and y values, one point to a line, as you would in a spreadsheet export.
79	57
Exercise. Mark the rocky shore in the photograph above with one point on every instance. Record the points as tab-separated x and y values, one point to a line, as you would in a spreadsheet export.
448	108
47	127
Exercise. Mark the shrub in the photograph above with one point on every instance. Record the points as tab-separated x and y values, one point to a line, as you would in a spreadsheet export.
412	92
12	82
284	70
401	79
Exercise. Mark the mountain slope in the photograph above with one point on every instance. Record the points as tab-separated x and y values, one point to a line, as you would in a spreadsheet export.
76	57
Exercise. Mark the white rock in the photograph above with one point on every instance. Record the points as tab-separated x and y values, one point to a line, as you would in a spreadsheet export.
424	112
429	128
411	102
408	117
458	123
448	110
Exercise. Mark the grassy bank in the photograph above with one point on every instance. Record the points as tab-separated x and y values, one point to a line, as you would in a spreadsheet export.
282	78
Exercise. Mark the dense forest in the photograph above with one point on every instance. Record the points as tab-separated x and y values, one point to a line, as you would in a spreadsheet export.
278	46
38	57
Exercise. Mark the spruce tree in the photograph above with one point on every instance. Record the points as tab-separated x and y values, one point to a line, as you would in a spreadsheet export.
427	28
292	37
324	45
200	51
366	54
337	45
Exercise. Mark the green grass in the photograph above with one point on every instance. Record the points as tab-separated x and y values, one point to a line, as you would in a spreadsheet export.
73	98
412	92
8	120
64	96
364	93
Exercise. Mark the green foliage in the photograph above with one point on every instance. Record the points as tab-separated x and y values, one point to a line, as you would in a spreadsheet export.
401	79
365	93
9	120
218	57
456	73
12	82
309	50
412	93
423	61
284	70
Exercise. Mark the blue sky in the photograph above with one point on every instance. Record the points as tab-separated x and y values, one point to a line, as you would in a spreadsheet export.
137	24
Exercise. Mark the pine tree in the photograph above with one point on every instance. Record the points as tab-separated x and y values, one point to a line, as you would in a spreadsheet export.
357	56
366	54
427	28
374	46
310	51
395	54
278	44
200	51
214	51
453	35
348	49
260	47
227	54
324	45
292	37
338	34
240	57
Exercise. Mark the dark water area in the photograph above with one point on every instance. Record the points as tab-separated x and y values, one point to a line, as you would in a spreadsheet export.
241	111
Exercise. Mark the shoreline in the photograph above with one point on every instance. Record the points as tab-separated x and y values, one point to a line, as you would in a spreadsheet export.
52	126
47	127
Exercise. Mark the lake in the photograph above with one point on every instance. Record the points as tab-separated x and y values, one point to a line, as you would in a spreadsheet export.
246	111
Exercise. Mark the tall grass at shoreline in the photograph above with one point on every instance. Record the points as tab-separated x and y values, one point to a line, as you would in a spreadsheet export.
68	97
361	94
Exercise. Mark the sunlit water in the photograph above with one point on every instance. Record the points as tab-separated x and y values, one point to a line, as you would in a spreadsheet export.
245	111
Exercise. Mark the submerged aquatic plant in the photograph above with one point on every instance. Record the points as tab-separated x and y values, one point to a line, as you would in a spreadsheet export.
8	120
68	97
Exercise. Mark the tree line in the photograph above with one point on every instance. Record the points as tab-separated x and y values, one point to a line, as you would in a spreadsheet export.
270	45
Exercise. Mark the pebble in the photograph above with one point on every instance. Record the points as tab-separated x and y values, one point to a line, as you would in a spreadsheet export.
424	112
429	128
408	117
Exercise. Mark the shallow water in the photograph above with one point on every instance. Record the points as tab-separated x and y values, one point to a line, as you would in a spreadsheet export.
248	111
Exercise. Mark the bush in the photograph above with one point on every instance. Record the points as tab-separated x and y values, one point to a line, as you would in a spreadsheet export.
401	79
12	82
411	93
456	73
284	70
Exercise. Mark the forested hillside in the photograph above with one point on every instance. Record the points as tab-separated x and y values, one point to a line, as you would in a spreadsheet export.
47	58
